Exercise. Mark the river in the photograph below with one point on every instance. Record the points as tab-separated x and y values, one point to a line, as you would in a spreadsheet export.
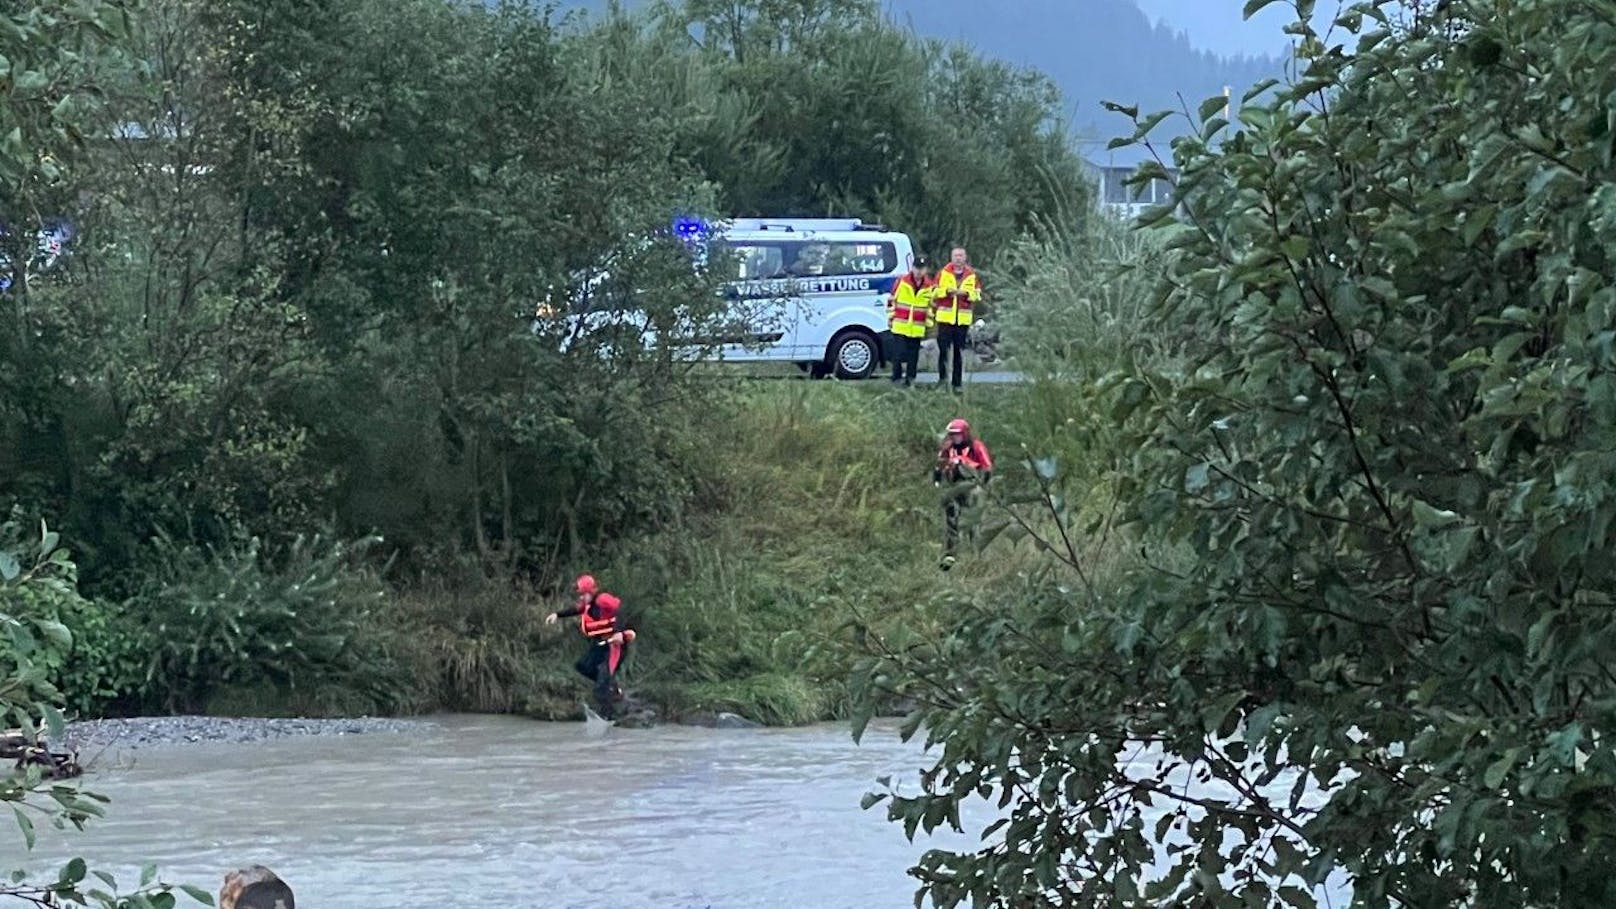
504	813
476	812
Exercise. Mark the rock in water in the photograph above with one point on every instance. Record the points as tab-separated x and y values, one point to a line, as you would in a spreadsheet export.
633	713
735	721
255	887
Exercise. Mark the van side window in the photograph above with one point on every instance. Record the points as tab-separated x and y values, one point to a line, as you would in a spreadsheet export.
754	261
845	258
763	260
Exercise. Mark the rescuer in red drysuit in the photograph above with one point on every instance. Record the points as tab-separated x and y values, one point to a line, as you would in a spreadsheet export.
964	464
599	619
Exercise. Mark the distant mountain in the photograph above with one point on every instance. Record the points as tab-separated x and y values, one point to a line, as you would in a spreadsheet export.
1221	26
1095	50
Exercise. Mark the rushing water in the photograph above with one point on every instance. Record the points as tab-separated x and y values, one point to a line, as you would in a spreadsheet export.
505	813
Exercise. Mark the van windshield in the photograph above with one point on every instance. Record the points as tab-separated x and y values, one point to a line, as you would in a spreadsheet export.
755	260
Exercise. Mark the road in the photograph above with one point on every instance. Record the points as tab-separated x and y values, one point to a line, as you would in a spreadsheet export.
995	377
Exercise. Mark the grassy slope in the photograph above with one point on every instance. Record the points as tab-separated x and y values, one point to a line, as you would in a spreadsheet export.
827	512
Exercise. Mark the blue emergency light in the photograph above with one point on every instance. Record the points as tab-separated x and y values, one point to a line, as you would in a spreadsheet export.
690	229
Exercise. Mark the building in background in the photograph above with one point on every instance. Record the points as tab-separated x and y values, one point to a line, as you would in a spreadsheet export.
1110	171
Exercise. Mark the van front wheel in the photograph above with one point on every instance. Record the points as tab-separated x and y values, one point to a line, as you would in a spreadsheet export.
854	355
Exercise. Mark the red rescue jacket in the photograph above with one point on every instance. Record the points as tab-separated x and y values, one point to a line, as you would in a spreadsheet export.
972	455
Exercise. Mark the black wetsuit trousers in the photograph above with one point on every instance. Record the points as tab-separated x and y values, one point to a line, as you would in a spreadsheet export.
596	666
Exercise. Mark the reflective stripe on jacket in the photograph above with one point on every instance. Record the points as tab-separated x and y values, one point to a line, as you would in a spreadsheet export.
952	310
909	307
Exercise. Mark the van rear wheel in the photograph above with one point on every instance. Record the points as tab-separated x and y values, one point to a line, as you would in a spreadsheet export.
854	355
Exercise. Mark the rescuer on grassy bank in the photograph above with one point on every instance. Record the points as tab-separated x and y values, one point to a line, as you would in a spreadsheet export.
965	465
601	623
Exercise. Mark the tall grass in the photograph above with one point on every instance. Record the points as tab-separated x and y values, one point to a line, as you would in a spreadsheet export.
828	515
1080	301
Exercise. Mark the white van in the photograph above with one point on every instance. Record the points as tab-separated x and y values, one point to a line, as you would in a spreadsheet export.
810	291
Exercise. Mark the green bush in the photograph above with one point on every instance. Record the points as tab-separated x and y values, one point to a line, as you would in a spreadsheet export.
307	629
104	671
38	581
1387	659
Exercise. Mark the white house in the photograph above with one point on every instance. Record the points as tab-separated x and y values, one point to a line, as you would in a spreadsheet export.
1109	171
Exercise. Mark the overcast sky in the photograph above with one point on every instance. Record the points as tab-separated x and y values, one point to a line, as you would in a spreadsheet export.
1216	25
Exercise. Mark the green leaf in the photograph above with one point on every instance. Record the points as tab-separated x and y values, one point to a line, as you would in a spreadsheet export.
30	82
10	570
1260	722
1429	517
1253	7
148	873
1131	113
73	872
1521	239
198	894
1258	89
1563	744
1454	547
1216	713
26	825
1128	635
57	634
1212	106
1477	220
55	724
1499	769
1149	123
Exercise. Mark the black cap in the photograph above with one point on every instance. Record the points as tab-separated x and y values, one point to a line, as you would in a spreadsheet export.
922	262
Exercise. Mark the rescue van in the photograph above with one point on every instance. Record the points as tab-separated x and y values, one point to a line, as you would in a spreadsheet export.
810	291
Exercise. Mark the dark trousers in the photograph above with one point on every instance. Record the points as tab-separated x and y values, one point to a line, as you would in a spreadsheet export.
960	496
599	665
952	338
904	352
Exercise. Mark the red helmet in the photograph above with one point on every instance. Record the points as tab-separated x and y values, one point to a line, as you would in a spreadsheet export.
959	426
586	584
608	603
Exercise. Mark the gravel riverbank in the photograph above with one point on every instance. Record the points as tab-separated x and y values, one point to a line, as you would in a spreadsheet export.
138	732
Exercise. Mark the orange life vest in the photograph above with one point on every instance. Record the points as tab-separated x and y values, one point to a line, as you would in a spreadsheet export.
598	620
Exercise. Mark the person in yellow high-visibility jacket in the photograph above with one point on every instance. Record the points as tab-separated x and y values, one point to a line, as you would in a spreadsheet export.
908	318
957	294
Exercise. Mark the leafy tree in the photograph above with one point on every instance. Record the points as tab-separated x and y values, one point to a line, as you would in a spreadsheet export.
1367	643
38	582
842	112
